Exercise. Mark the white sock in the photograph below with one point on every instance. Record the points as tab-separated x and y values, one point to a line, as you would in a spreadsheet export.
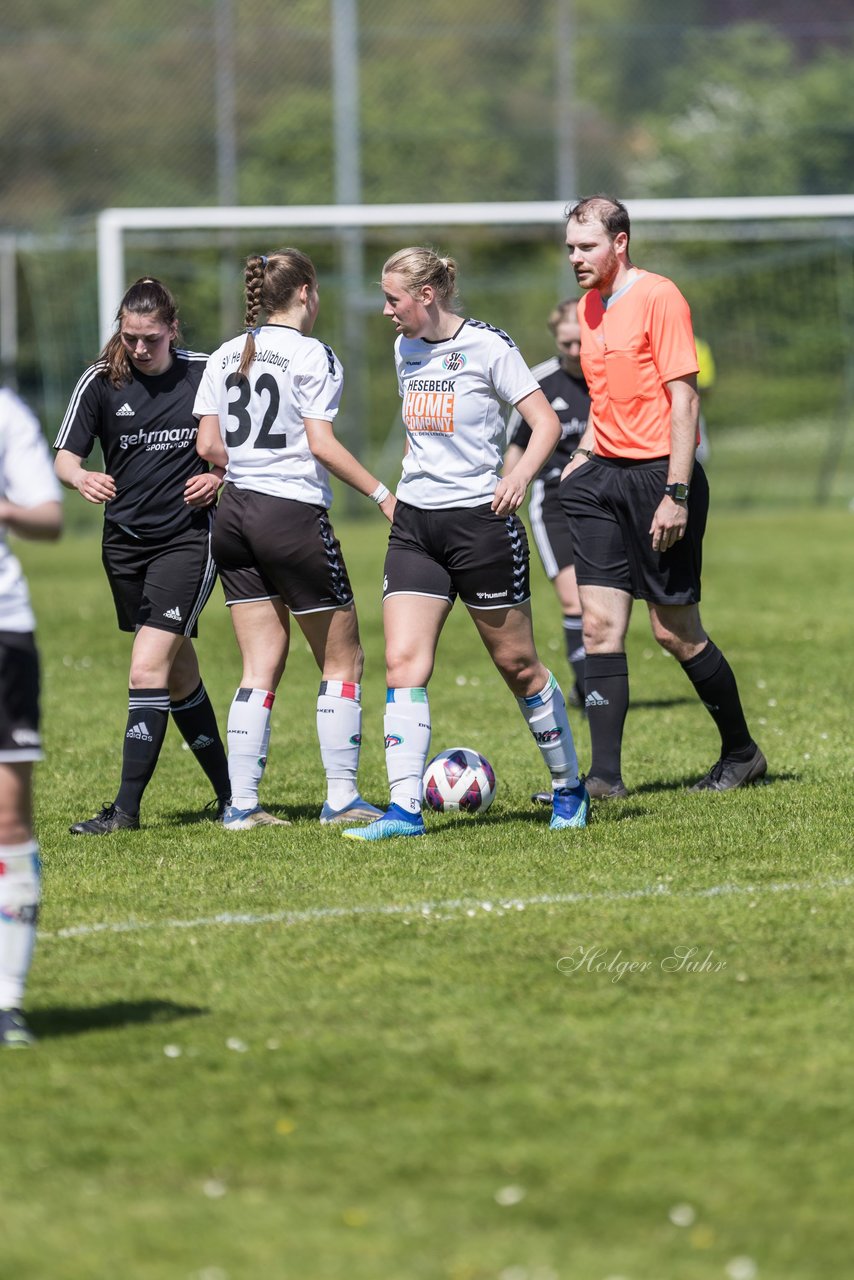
339	732
248	740
545	715
407	742
19	908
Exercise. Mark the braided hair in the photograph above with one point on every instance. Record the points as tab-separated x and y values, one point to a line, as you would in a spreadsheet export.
270	285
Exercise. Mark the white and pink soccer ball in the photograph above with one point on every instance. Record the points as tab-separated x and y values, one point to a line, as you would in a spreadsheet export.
459	779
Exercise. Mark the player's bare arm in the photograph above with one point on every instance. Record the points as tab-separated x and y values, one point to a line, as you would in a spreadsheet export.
545	434
95	486
41	523
337	459
209	442
671	516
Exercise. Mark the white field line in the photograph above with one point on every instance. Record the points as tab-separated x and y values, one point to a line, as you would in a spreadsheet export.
449	908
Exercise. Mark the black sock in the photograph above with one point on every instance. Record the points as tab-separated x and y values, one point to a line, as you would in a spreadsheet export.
574	647
606	685
148	716
195	717
712	677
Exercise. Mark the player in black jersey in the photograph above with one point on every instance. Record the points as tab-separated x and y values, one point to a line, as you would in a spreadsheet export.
137	402
563	382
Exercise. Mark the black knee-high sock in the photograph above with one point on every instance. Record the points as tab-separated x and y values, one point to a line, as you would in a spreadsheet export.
196	720
574	647
606	685
148	716
712	677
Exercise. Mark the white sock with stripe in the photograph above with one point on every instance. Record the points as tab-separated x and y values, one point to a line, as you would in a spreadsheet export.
339	732
545	715
248	739
19	908
407	743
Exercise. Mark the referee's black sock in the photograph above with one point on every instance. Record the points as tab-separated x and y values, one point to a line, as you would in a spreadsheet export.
195	717
606	686
572	626
712	677
148	716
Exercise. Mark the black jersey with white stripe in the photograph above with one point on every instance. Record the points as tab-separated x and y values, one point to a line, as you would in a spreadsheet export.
570	399
147	434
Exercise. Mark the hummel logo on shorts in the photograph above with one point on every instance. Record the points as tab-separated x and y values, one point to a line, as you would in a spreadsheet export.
140	731
174	614
125	412
595	699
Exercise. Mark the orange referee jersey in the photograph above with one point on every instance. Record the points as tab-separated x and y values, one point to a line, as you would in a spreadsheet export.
629	349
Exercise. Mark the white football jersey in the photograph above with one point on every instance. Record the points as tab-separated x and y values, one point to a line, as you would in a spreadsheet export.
28	480
292	377
456	395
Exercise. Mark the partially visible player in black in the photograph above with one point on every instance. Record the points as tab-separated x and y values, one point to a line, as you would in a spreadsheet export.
566	391
137	402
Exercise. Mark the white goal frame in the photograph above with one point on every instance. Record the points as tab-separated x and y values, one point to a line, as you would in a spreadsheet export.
112	224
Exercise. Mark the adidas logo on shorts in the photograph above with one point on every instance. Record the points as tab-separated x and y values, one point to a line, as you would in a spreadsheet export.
139	732
125	412
595	699
174	614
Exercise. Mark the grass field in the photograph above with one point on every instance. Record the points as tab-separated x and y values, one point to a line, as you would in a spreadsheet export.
279	1054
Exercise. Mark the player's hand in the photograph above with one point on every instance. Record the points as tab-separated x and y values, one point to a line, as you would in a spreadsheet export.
95	486
668	524
509	494
387	507
201	490
580	461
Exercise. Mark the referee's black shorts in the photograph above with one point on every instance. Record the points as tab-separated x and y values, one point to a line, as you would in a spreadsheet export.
610	503
19	698
163	584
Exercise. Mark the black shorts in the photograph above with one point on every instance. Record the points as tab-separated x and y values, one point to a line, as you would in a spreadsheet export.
19	698
550	527
610	504
269	548
165	584
465	551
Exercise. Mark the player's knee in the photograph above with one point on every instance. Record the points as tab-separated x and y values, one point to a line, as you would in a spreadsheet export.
519	671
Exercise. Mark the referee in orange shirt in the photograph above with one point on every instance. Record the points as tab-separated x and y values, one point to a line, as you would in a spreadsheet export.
637	500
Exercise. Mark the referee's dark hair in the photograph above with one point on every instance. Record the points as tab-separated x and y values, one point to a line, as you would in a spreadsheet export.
145	297
608	210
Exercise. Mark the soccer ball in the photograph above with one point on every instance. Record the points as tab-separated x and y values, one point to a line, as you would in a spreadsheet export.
459	779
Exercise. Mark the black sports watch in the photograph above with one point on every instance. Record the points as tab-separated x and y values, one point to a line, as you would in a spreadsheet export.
677	491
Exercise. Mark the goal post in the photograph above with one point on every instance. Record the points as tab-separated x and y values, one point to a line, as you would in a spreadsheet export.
769	280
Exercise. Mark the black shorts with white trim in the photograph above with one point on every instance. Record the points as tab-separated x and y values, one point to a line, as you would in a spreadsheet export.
19	698
162	584
270	548
550	526
465	551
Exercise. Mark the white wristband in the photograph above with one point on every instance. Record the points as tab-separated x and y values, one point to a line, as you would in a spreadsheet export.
380	493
